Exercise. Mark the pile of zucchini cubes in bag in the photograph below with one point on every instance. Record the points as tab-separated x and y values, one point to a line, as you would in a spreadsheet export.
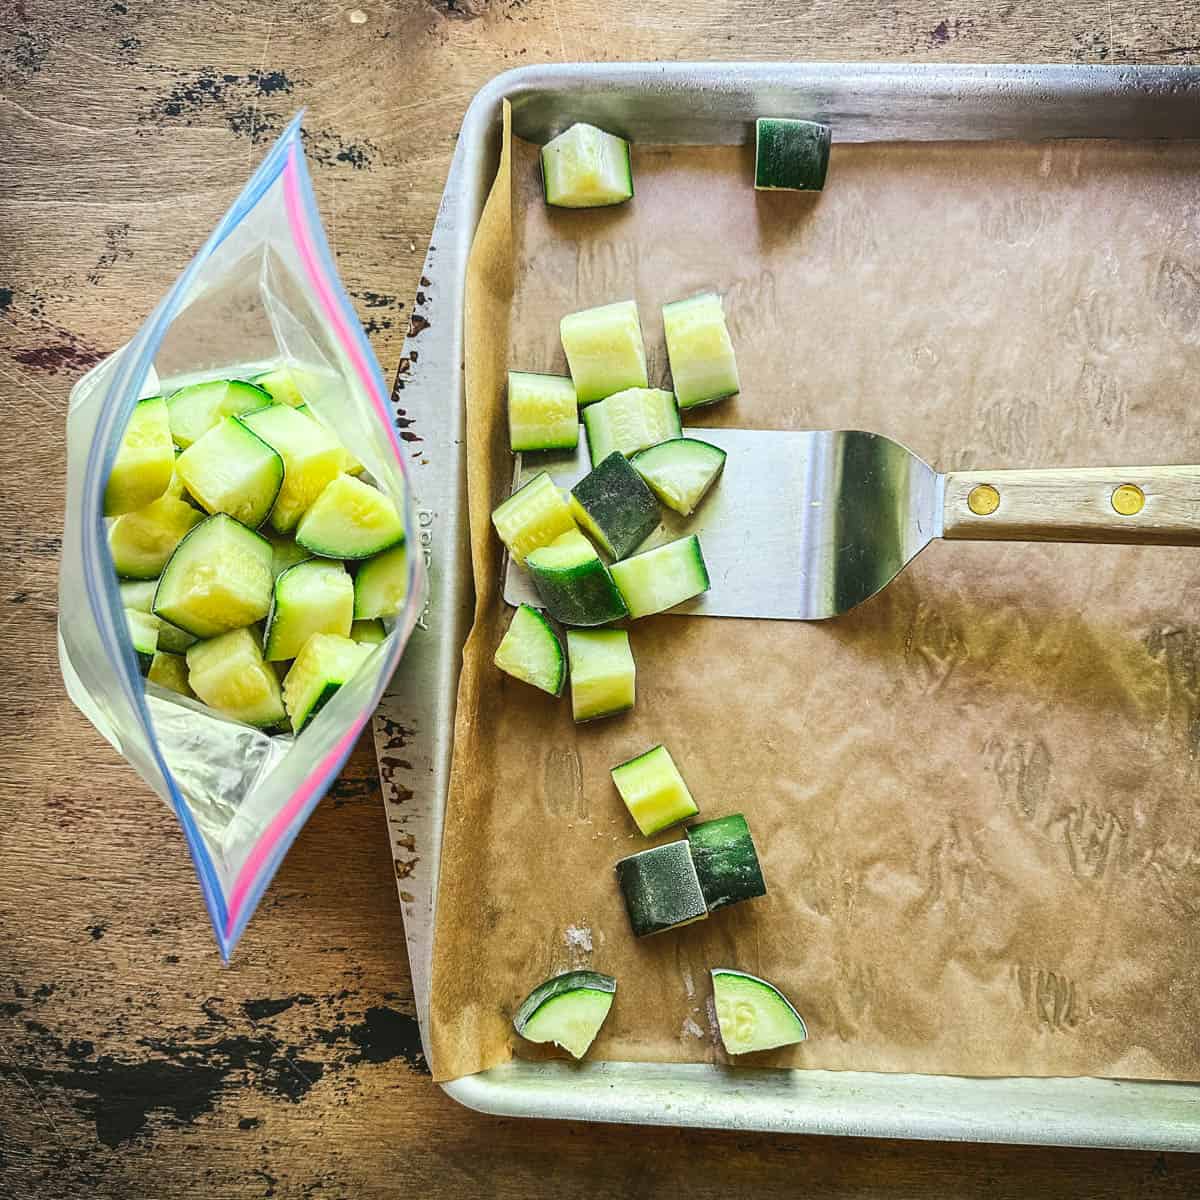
581	551
235	512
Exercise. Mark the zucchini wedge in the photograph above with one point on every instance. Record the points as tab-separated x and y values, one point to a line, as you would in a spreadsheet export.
312	597
325	662
143	632
542	412
381	585
193	410
141	542
534	515
753	1014
603	673
726	861
145	460
680	472
654	791
574	584
312	457
660	889
368	633
630	421
218	579
790	155
170	671
232	470
658	579
604	349
531	652
615	507
703	367
230	675
350	519
567	1010
584	167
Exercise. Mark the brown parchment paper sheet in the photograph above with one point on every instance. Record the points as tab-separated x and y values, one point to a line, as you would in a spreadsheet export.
975	797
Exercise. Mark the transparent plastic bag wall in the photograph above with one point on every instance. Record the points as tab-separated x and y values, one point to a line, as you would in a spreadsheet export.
262	291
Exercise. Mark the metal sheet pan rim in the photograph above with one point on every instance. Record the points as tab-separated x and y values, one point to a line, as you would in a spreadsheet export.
981	101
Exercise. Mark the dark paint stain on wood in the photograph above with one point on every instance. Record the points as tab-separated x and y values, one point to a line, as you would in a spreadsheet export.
462	10
97	931
6	299
326	148
235	97
68	354
378	299
249	1123
259	1010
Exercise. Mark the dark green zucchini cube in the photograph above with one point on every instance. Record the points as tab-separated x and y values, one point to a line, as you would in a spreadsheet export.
661	889
725	860
790	155
614	506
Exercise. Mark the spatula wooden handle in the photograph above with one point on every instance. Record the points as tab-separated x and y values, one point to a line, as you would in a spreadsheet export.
1129	505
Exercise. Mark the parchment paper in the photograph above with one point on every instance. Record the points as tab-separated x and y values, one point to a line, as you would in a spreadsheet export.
974	797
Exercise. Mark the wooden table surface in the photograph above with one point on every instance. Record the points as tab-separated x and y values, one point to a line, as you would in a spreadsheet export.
132	1063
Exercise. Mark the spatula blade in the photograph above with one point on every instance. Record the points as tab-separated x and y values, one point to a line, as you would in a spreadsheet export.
800	526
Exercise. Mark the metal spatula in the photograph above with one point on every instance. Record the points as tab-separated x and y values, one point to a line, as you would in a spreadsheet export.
805	526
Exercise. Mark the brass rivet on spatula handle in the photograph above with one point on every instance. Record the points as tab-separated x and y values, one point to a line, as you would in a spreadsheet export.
983	500
1128	499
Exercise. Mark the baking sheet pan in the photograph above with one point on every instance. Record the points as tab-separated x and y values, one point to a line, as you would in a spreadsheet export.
717	104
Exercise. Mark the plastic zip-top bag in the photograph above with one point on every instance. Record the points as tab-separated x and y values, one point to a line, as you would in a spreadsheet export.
260	304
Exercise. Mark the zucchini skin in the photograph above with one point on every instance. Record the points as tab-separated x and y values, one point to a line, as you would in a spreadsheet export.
790	155
619	506
726	861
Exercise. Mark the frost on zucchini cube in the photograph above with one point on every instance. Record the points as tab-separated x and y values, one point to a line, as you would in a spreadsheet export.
661	889
726	861
790	155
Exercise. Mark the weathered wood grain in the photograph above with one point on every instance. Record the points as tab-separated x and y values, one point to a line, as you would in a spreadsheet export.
131	1063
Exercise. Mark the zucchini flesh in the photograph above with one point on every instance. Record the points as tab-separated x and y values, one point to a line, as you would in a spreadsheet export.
145	460
141	542
172	639
324	663
703	367
531	652
604	350
680	472
567	1010
138	595
232	470
790	155
170	671
350	519
288	384
311	458
143	633
219	578
603	673
584	167
630	421
542	412
193	410
660	889
574	584
726	861
614	505
654	791
753	1014
284	552
381	585
532	516
350	464
658	579
368	633
312	597
229	674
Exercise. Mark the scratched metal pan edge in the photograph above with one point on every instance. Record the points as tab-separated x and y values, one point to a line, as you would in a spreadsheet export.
716	103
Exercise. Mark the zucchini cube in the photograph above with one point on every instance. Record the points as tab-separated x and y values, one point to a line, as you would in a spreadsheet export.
604	350
661	889
790	155
654	791
725	860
